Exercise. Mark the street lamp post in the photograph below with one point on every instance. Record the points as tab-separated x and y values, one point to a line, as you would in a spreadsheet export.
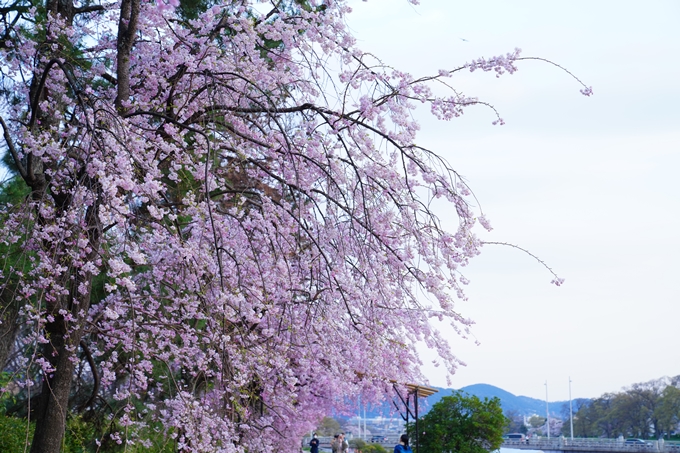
547	411
364	430
359	417
571	412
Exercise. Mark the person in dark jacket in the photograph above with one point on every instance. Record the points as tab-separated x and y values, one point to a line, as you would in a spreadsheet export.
402	446
314	443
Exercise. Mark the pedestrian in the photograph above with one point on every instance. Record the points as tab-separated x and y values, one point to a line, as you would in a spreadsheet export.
314	443
335	444
344	445
402	446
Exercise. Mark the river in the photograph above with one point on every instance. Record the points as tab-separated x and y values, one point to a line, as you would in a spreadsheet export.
512	450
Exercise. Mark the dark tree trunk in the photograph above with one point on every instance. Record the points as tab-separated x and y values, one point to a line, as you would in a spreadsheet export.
64	337
53	402
53	405
8	328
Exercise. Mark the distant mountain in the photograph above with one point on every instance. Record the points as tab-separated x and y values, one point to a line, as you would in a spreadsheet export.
522	404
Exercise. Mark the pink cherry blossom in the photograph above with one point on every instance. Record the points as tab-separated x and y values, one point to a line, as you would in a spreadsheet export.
232	239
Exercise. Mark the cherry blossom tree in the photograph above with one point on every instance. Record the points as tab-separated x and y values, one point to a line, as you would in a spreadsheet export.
228	230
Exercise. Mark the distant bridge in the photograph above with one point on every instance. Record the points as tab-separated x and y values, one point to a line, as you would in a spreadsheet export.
567	445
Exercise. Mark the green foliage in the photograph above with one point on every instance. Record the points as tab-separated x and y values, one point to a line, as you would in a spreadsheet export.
9	164
157	439
461	423
536	421
13	190
374	448
14	433
357	444
81	432
79	435
668	410
328	427
643	410
515	422
191	9
16	260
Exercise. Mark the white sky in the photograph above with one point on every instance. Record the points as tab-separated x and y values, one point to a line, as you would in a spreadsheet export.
588	184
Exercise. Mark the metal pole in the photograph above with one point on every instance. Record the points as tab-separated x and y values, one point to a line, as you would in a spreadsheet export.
408	408
571	412
547	411
417	434
363	434
364	438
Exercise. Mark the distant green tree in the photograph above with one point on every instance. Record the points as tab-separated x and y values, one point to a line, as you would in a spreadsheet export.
644	410
328	427
631	414
461	423
648	397
668	412
578	404
536	421
515	422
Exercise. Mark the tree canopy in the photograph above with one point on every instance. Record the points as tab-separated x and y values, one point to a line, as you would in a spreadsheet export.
328	427
225	228
462	423
643	410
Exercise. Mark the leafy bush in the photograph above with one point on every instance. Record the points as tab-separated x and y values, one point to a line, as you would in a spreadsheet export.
79	435
13	435
373	448
462	423
357	444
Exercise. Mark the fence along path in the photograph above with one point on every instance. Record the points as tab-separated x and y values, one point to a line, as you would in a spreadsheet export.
592	445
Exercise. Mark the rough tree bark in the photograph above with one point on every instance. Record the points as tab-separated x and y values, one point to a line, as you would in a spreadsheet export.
66	313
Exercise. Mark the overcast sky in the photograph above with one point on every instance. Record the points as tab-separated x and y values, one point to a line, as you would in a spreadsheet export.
590	185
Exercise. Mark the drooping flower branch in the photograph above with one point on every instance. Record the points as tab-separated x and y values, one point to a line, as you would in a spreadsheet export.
233	237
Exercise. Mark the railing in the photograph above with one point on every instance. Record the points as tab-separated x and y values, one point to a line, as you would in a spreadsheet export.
593	445
325	441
